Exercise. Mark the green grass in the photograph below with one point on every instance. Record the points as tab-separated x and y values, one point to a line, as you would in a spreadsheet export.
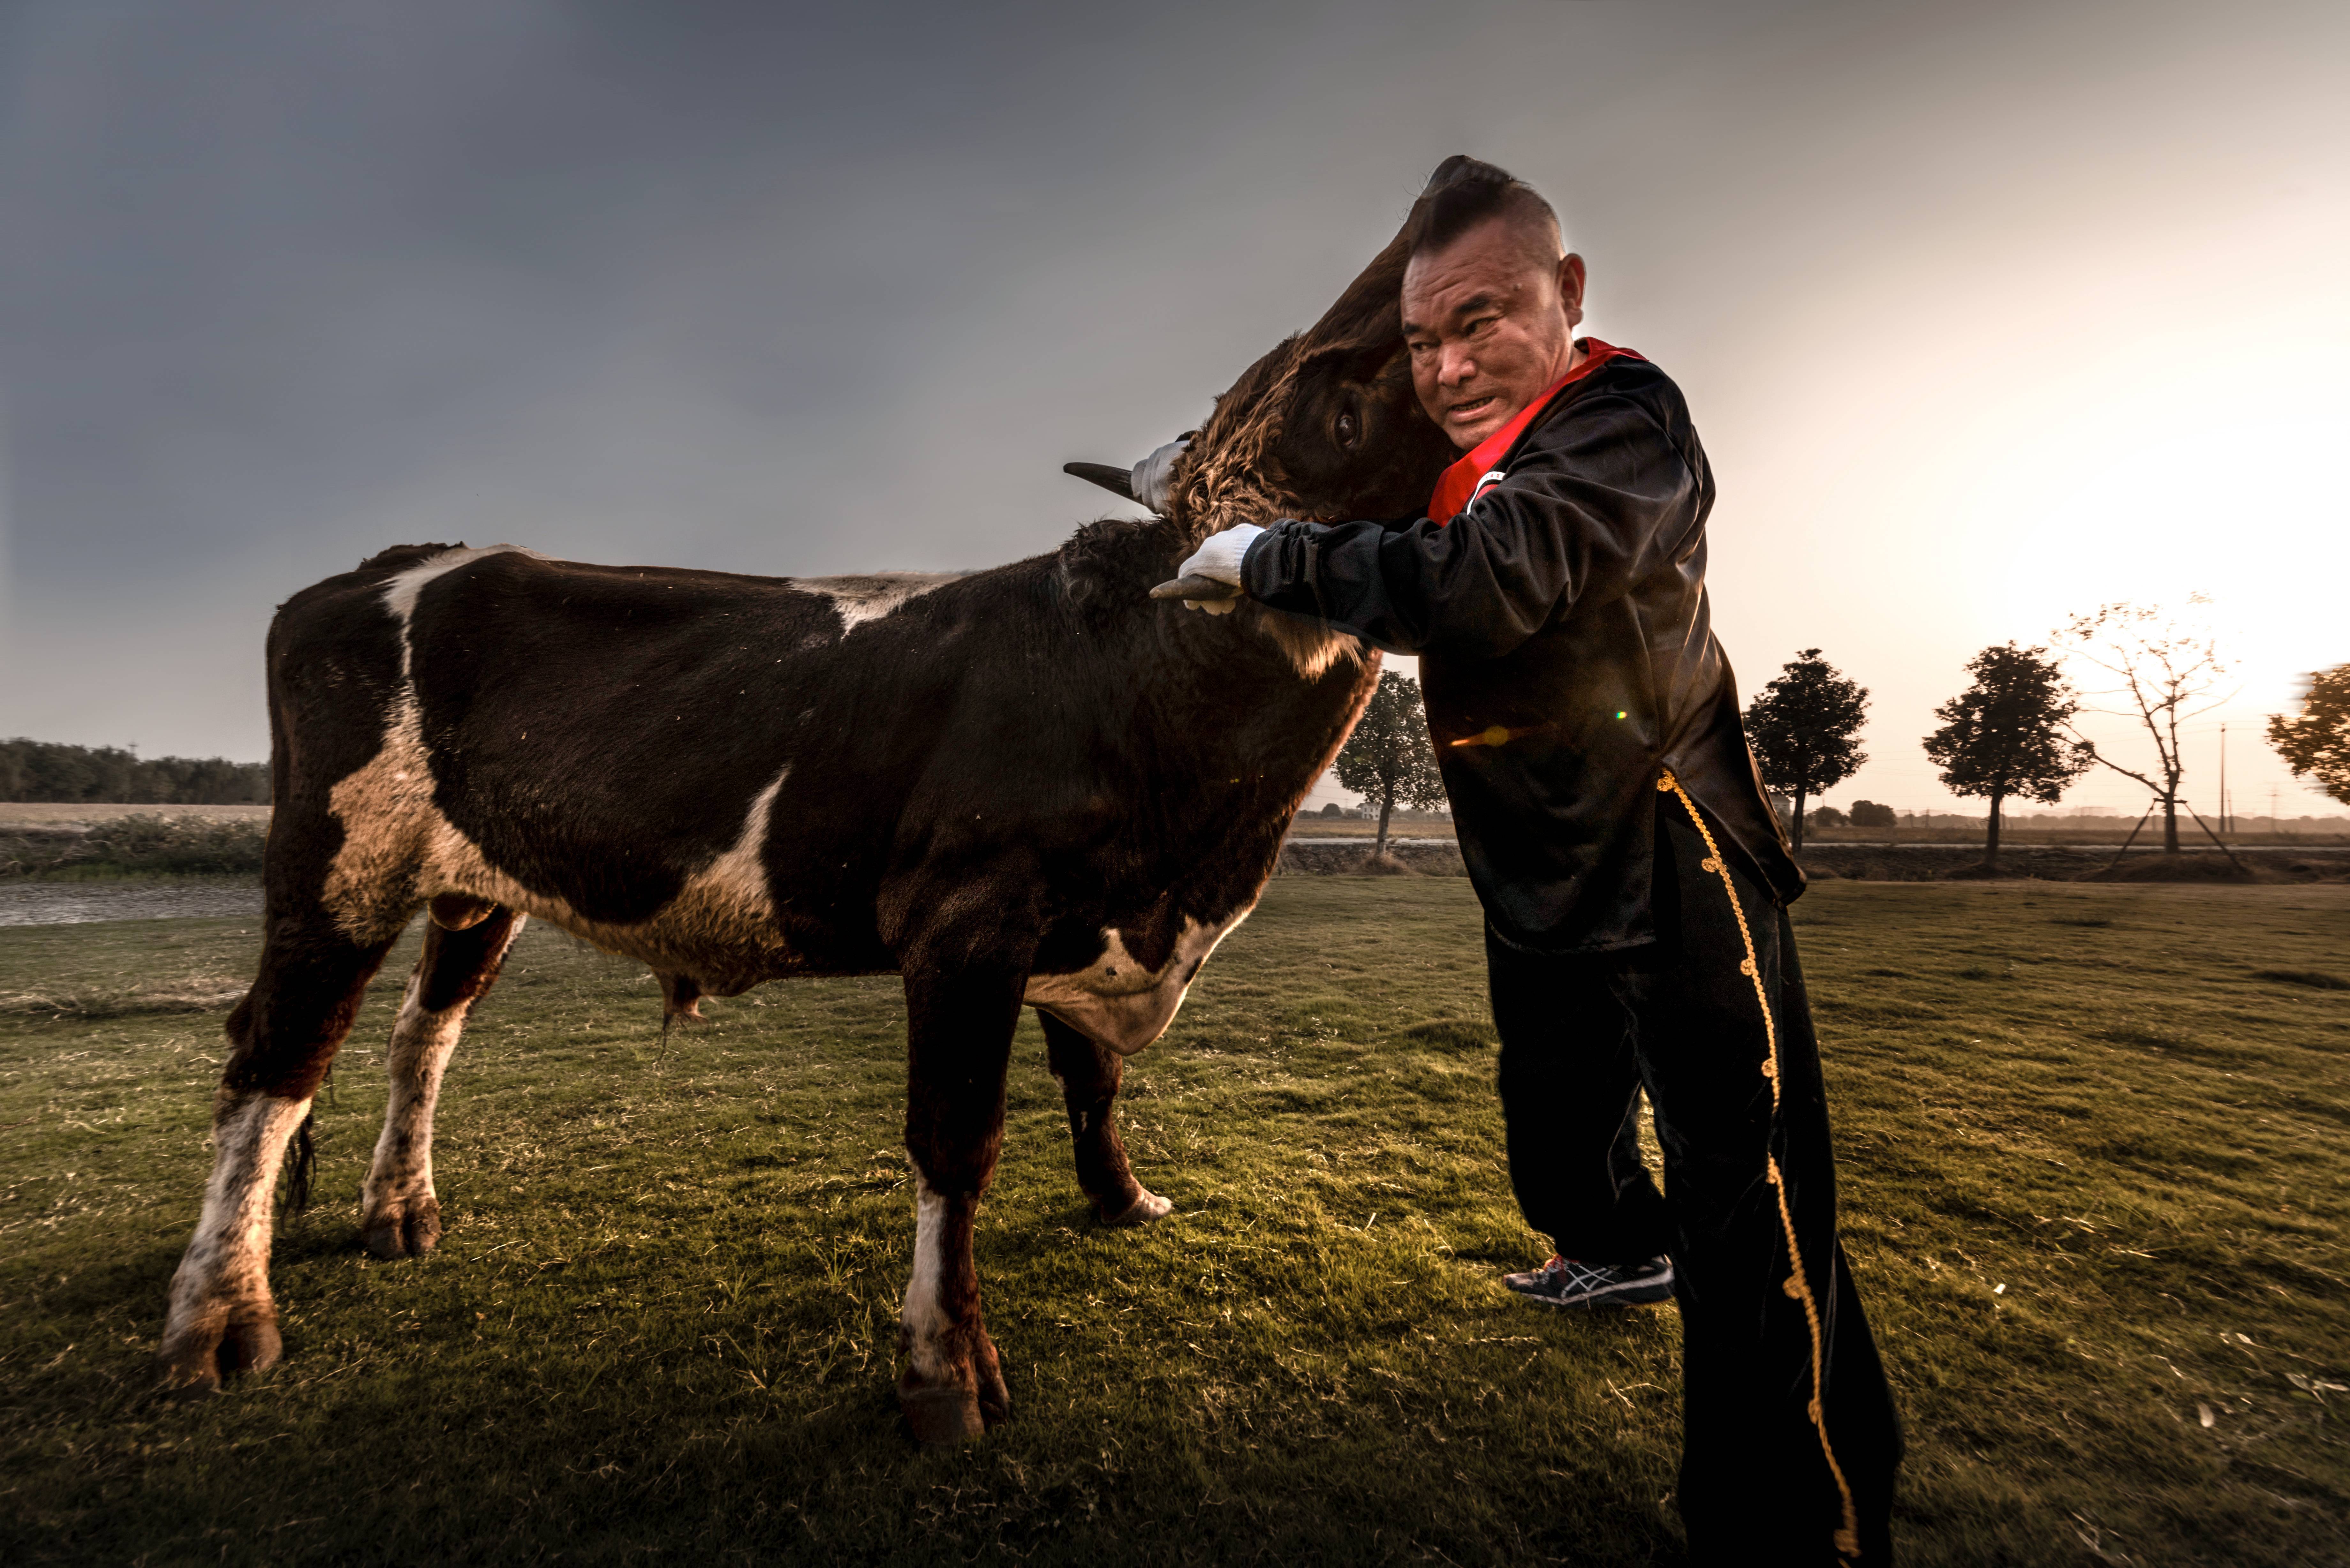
661	1324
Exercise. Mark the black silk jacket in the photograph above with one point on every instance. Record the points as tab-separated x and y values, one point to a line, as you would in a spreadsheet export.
1565	655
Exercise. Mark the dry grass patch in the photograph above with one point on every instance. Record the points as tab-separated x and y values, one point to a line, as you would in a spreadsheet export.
192	994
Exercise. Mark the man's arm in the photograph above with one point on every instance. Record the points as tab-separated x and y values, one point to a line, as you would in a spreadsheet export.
1581	515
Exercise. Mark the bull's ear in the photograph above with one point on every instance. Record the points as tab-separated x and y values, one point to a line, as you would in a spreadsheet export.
1452	169
1118	482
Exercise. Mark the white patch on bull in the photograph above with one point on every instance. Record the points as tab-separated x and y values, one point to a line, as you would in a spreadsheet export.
387	812
402	1175
399	851
400	589
224	1274
923	1319
857	599
1114	1000
737	880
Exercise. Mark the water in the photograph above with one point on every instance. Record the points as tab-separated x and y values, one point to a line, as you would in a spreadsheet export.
78	903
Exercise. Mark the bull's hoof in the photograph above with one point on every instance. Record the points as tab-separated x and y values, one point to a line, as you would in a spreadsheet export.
939	1416
994	1398
1144	1209
195	1358
402	1228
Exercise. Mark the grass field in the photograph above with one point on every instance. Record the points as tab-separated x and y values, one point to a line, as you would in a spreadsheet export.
2094	1175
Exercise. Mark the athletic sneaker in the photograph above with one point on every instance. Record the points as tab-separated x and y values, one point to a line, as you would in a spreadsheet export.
1563	1282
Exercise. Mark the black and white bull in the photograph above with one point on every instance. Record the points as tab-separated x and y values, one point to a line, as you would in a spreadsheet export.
1028	785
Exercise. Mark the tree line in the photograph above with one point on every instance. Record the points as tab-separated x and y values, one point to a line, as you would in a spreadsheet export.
2009	736
77	776
2003	738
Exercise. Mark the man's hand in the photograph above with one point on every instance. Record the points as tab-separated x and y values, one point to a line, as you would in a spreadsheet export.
1210	579
1151	476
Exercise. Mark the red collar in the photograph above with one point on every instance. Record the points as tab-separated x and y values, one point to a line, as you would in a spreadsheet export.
1462	482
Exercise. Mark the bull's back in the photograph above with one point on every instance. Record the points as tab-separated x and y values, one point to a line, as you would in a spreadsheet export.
646	755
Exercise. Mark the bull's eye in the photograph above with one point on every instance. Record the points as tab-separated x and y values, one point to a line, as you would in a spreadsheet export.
1347	427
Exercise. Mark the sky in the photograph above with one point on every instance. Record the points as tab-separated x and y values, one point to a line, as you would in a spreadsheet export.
1987	313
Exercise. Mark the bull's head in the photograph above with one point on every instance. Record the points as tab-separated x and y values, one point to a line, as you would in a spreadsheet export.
1326	426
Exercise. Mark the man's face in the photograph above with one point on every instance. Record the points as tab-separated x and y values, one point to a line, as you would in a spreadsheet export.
1490	325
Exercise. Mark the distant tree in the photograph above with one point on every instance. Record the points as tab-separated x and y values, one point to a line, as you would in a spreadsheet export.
1869	814
1805	730
51	771
1828	817
1333	809
2004	735
1389	758
2165	670
2317	745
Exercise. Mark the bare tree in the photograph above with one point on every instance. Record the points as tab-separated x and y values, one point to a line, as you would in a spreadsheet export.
2317	743
1389	758
2167	672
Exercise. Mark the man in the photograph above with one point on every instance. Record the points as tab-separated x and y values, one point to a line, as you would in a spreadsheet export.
1634	876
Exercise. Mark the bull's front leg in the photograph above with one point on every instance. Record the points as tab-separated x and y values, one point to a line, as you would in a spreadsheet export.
283	1035
222	1320
959	1024
1089	1076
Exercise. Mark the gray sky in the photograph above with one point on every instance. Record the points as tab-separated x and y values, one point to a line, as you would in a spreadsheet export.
1987	312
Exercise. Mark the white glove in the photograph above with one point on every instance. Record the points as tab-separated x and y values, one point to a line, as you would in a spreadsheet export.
1219	560
1151	475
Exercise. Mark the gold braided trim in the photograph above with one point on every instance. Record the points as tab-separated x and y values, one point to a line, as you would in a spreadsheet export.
1798	1285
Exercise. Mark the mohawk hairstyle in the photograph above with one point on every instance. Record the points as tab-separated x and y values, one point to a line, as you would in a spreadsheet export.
1463	193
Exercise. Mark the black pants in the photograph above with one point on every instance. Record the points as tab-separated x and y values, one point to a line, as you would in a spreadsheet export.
1580	1038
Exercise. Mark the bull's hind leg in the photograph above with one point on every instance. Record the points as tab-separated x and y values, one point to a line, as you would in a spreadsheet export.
959	1029
283	1036
399	1213
1089	1076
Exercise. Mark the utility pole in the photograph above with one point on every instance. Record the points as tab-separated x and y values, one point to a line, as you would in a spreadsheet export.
2223	776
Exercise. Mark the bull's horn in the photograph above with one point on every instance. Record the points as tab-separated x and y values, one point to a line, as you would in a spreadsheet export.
1195	588
1118	482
